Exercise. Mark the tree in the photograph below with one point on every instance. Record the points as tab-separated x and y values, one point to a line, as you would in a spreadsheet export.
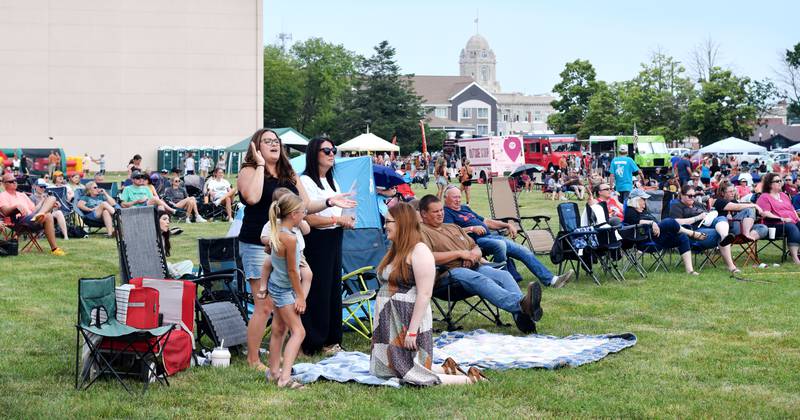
575	89
789	78
763	95
656	98
326	74
704	58
721	108
603	116
282	89
384	99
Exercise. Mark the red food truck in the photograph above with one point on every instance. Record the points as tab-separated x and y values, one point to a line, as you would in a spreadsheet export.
548	149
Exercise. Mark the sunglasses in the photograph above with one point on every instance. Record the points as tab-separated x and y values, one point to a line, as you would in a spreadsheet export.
777	181
10	182
328	150
270	141
387	221
604	189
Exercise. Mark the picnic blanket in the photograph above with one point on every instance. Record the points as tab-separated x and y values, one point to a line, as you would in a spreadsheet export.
342	367
499	351
478	348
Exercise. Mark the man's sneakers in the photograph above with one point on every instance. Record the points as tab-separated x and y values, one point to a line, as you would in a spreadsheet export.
58	252
563	279
531	304
199	219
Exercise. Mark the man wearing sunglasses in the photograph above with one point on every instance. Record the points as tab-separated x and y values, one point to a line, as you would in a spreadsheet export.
35	217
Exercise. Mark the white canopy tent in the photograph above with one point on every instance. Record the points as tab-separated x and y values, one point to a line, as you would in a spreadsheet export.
733	145
795	148
368	142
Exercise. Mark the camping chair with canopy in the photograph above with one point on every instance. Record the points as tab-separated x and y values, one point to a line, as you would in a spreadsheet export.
109	342
503	205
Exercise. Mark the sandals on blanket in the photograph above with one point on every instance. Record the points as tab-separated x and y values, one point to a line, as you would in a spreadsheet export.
452	368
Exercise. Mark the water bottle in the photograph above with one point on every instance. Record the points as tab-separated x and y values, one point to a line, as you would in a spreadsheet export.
353	191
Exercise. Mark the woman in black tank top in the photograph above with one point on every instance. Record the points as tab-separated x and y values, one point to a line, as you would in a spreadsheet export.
265	168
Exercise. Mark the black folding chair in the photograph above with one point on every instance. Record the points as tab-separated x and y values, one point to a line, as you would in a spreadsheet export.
448	294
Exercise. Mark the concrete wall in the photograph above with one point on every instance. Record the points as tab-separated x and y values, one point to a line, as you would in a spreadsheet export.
127	76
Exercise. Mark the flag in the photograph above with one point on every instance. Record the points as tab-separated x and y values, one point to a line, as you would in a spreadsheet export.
424	142
394	141
635	137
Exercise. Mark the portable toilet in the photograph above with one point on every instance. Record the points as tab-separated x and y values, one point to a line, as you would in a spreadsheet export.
165	157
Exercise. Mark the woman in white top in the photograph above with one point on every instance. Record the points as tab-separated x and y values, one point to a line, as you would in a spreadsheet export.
220	192
189	164
323	317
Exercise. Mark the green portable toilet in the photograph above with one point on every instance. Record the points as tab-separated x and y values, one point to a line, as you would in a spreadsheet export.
165	157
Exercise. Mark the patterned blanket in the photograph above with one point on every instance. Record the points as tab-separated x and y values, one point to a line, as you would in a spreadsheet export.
478	348
499	351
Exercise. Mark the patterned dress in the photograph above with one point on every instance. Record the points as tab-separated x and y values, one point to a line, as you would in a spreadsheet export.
394	306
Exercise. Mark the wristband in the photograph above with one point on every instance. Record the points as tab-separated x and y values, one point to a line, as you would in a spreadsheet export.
411	334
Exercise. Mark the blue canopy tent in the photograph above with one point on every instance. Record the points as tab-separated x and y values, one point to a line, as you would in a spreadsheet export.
366	244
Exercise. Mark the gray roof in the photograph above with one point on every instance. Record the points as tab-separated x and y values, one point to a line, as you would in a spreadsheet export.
522	99
439	89
435	122
791	132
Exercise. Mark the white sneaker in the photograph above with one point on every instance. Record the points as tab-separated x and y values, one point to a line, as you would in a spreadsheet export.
199	219
188	220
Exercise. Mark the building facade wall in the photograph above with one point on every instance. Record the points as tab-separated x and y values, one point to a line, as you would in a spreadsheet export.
123	77
474	93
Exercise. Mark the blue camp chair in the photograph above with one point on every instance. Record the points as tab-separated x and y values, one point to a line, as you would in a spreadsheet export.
362	251
91	225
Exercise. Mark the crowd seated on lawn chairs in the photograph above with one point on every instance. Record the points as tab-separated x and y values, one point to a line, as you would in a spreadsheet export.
26	219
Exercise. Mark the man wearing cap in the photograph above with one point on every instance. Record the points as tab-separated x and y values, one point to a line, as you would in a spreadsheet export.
139	194
32	216
623	168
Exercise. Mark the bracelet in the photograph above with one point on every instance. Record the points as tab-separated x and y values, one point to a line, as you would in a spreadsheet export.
411	334
259	165
328	202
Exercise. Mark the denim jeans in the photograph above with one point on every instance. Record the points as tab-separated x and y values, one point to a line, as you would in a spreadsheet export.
736	228
502	248
671	237
496	286
791	231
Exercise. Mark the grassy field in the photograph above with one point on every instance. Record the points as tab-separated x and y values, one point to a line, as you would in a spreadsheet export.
709	346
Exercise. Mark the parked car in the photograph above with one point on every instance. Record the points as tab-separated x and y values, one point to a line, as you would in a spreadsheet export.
678	151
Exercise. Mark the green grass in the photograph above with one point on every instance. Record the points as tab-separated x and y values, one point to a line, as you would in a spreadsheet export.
709	346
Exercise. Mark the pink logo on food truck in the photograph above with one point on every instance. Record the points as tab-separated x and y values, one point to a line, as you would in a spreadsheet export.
512	147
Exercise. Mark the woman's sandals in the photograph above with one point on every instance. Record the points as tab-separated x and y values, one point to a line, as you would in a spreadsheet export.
452	368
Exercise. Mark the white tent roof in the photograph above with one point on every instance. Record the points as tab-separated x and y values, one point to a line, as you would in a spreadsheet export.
795	148
368	143
733	145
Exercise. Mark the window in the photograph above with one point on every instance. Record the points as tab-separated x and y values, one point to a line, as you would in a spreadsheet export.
483	53
505	117
483	113
483	130
484	73
441	113
465	113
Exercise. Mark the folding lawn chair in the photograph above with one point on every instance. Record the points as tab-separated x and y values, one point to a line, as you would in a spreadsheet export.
503	205
362	251
451	293
25	235
109	342
574	244
90	225
609	242
779	242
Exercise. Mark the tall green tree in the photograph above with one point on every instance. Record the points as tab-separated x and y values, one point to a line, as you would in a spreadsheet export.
721	108
384	99
789	76
326	73
656	98
282	88
763	95
603	116
574	91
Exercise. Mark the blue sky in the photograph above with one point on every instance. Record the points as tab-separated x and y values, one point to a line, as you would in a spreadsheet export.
534	39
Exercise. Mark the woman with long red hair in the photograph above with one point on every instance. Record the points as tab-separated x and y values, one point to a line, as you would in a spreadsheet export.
402	342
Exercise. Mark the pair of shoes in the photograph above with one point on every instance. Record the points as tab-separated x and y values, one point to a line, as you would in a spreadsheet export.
332	349
475	375
188	220
531	303
524	323
58	252
452	368
563	279
693	273
697	236
199	219
726	240
292	384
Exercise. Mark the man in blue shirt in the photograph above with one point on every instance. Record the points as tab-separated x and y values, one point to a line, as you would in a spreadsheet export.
684	169
500	247
623	168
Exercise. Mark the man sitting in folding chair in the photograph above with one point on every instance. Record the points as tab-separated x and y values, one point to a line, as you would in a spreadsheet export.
452	247
31	218
500	247
667	233
692	215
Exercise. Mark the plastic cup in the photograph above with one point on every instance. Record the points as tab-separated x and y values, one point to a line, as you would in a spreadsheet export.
772	231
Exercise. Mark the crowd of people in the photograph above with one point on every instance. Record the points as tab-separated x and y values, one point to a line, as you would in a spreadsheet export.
292	230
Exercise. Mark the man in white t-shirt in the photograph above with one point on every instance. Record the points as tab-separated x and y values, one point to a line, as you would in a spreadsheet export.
205	164
219	191
188	167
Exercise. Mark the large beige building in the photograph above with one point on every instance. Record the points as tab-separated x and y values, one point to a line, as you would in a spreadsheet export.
127	76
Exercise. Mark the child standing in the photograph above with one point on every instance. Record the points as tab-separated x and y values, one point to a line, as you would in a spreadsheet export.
285	289
305	272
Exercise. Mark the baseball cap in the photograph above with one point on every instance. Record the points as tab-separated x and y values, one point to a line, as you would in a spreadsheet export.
41	183
623	149
638	193
139	175
164	171
58	173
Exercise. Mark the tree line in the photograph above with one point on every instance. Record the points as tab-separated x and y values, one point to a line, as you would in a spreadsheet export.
663	99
